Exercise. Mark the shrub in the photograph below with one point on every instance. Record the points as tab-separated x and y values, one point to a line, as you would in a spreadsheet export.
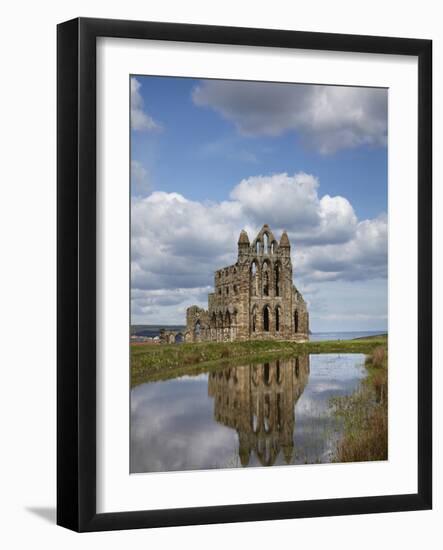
365	414
377	358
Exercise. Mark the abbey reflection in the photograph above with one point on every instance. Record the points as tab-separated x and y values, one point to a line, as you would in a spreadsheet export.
258	402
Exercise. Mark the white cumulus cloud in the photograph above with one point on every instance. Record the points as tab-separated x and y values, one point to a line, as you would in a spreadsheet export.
178	243
140	119
364	256
292	203
326	118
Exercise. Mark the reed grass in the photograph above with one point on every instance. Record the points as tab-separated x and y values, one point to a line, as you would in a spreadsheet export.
365	414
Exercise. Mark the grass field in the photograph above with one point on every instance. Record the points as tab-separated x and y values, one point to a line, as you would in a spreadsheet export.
365	413
153	362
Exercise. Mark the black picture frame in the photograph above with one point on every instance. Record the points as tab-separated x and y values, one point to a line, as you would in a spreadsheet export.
76	267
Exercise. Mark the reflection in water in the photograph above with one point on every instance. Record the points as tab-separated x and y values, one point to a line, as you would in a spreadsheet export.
258	402
272	413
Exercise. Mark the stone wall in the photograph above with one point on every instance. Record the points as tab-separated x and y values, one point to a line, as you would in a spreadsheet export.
258	402
254	299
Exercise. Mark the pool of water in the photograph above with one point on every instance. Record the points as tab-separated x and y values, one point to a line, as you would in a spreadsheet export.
259	414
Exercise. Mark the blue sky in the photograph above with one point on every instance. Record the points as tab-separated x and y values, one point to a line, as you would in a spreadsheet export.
211	157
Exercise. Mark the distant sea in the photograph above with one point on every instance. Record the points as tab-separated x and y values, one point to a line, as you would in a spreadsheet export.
316	336
154	330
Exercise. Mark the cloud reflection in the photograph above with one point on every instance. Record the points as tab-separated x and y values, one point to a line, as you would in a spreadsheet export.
272	413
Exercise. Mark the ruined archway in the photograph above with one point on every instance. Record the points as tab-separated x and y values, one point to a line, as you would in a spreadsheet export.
265	243
277	275
273	247
266	278
220	326
277	319
213	327
227	319
227	327
254	319
266	318
278	372
254	278
267	374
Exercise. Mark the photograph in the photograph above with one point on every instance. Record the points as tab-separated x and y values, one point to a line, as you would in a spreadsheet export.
223	225
259	273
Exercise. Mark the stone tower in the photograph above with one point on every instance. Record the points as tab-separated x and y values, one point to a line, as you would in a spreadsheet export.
253	299
258	402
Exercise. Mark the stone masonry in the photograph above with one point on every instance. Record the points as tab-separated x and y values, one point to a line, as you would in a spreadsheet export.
254	299
258	402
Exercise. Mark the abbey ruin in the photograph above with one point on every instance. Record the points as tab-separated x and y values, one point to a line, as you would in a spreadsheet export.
258	401
253	299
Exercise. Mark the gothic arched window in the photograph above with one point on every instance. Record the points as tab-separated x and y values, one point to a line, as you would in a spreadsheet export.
254	320
295	321
277	279
265	276
266	319
227	319
254	279
278	371
265	244
277	319
266	374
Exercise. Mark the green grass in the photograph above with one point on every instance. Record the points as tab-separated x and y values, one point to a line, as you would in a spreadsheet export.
365	414
154	362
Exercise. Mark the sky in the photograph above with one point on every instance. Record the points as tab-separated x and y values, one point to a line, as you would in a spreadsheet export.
212	157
